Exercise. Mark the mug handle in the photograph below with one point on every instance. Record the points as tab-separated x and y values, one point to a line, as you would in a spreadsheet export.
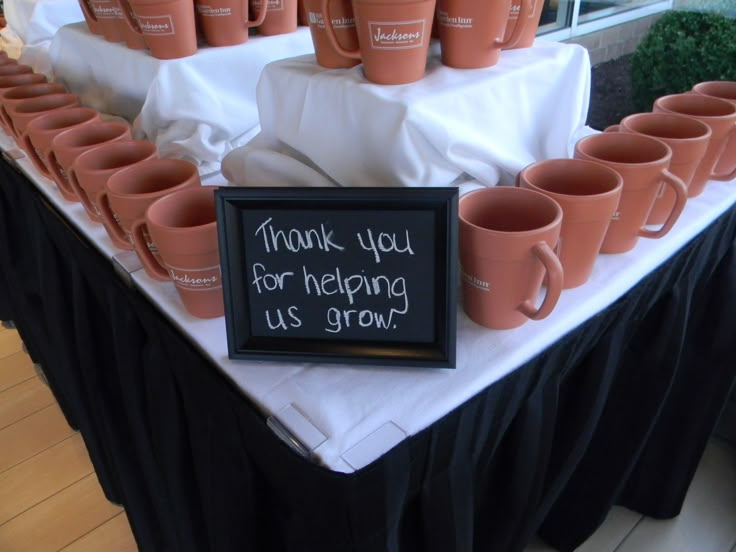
150	263
325	9
681	197
88	12
55	172
729	176
130	17
114	230
25	143
80	192
261	14
521	22
554	283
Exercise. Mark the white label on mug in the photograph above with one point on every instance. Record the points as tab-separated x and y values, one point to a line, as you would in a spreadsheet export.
273	5
444	19
514	11
397	35
315	18
476	282
196	279
616	215
157	25
107	12
209	11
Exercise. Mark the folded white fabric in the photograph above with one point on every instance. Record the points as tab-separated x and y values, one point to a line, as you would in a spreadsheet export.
488	123
199	107
32	25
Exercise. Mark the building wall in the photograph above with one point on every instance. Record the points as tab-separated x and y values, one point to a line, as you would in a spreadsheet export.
617	41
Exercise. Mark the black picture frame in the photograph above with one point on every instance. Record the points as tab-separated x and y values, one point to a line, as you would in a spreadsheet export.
425	318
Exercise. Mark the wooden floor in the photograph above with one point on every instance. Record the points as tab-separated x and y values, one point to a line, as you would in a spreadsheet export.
50	498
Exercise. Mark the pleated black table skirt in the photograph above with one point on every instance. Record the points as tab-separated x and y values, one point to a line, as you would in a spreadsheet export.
617	412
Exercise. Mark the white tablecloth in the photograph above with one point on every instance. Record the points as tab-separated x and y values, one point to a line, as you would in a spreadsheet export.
31	26
487	123
199	107
348	416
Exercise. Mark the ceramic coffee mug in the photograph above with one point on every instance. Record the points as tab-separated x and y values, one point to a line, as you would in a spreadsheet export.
167	26
226	22
343	23
526	40
687	138
719	115
129	191
36	140
642	162
23	112
471	32
68	145
16	94
724	90
108	14
21	79
589	194
393	38
507	237
91	170
183	229
281	17
92	24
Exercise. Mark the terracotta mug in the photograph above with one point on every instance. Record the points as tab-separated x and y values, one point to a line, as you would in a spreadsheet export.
226	22
167	26
724	90
90	18
129	29
183	229
526	40
36	140
129	191
343	23
20	79
91	170
280	19
589	194
507	237
14	69
23	112
108	14
68	145
719	115
687	138
17	94
393	38
472	32
642	161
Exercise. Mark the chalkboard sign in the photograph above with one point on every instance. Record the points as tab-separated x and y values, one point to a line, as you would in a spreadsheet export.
341	275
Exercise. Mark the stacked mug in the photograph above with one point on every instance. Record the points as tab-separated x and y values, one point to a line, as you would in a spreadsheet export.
391	37
169	28
630	182
156	207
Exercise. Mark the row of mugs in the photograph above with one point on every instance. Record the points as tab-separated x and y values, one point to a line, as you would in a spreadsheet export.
157	207
169	28
391	38
564	212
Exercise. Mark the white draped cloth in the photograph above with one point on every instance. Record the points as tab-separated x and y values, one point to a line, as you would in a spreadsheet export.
486	124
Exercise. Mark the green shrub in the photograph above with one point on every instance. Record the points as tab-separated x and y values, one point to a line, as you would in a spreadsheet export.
680	50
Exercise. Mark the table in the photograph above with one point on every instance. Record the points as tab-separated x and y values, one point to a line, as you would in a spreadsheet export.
618	410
